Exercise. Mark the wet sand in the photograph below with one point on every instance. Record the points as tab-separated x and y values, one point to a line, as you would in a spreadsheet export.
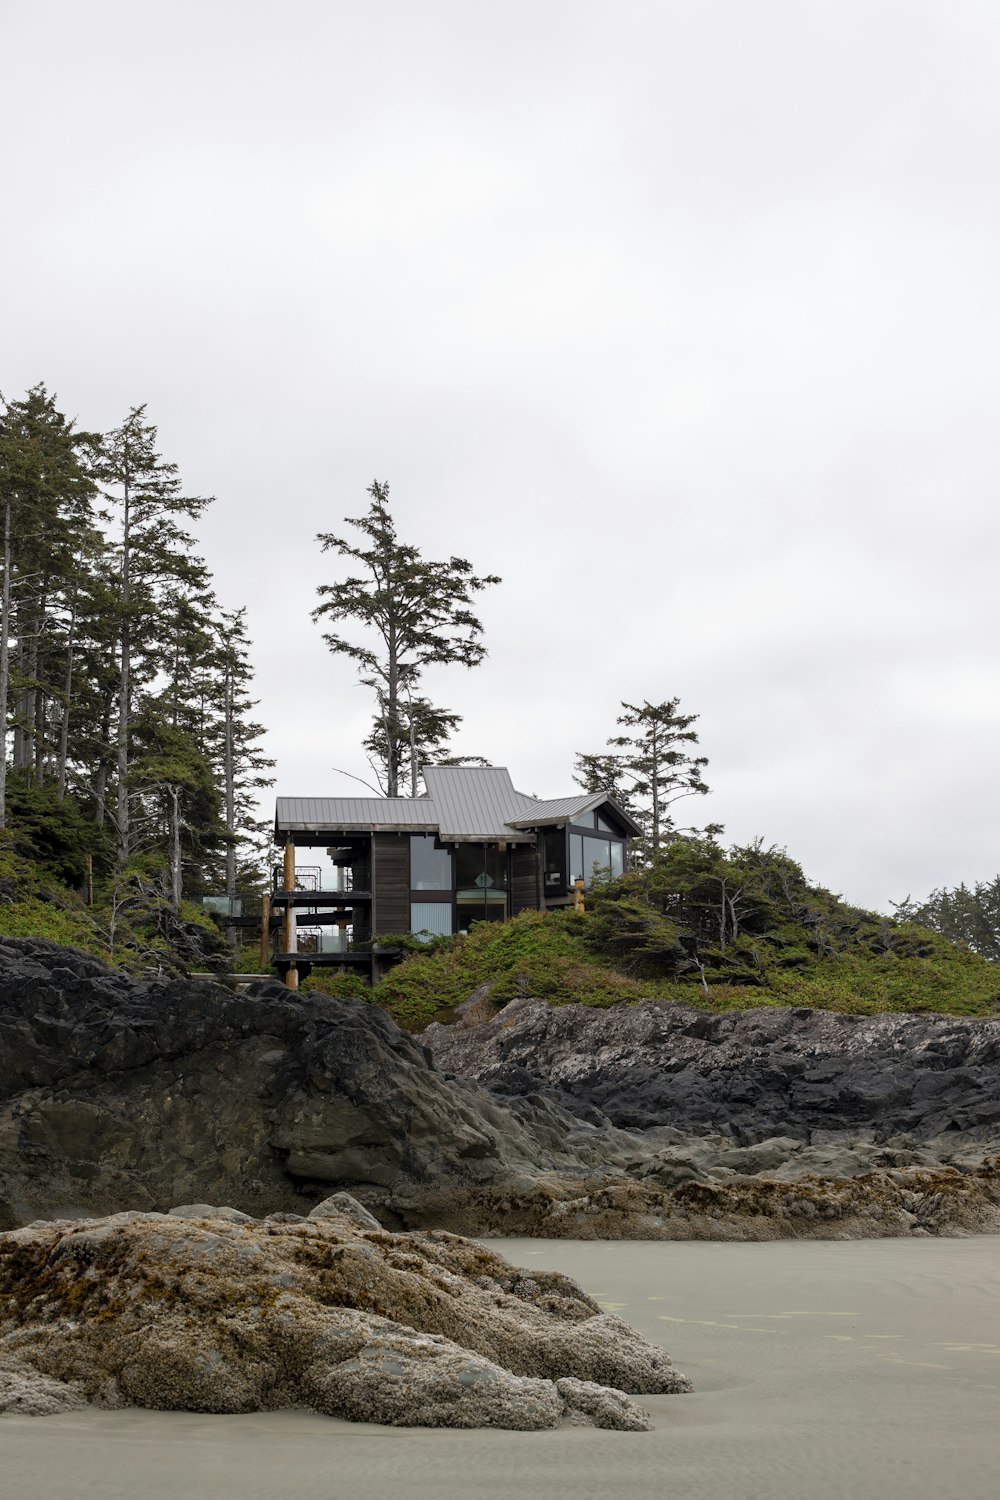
823	1371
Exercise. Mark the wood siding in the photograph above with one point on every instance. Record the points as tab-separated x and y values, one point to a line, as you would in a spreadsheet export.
390	882
525	879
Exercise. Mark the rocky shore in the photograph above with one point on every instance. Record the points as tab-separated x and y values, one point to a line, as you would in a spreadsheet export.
748	1074
655	1121
205	1309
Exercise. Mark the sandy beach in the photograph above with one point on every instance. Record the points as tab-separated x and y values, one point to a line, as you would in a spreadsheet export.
822	1370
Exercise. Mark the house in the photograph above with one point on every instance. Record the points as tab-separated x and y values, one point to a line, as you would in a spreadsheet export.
471	849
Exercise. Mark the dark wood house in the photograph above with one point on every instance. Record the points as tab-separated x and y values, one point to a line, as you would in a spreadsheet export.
471	849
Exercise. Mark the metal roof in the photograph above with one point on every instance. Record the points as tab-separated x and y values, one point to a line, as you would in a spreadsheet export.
464	804
340	814
542	814
474	802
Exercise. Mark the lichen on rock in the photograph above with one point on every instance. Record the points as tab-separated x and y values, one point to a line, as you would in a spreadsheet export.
219	1313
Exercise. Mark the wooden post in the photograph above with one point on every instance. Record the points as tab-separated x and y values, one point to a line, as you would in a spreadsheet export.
291	927
265	931
578	895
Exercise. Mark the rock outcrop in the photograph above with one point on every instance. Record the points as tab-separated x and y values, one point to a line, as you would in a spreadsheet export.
118	1094
206	1309
750	1075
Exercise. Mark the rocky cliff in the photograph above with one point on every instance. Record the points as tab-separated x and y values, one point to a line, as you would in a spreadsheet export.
746	1074
117	1094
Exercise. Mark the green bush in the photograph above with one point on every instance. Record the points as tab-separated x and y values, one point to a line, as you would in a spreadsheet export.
536	953
342	984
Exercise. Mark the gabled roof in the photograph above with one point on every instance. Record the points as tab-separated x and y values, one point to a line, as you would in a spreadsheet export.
568	809
463	804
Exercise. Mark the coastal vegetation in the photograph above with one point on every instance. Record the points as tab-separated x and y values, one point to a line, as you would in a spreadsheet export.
720	929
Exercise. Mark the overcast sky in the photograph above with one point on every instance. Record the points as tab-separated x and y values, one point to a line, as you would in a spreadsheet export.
681	316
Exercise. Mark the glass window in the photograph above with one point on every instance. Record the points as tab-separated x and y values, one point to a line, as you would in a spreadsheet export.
576	871
479	866
617	858
223	905
604	827
431	917
554	849
480	906
430	865
595	852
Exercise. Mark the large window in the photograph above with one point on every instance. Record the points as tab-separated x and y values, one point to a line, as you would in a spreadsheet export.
586	852
482	906
430	865
480	884
479	865
431	917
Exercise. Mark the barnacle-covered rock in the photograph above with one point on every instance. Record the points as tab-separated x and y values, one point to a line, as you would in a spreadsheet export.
220	1313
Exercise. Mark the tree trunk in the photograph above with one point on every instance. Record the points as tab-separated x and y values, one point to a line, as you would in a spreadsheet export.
230	781
175	848
67	699
5	660
18	758
101	783
414	768
124	690
391	715
654	779
28	694
41	726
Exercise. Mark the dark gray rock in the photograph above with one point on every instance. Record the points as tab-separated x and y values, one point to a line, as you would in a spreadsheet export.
748	1074
118	1095
122	1093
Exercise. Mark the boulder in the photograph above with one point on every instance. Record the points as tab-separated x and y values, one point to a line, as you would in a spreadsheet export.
199	1311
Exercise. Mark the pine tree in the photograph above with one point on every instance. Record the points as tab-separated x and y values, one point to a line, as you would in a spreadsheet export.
46	496
153	553
419	613
649	768
176	806
423	741
237	751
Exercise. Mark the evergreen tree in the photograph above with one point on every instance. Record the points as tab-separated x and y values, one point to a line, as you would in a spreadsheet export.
649	768
153	553
239	756
176	806
416	613
47	528
424	738
967	914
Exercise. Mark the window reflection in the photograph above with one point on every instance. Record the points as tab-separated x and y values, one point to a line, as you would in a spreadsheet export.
480	865
480	906
554	846
430	865
576	858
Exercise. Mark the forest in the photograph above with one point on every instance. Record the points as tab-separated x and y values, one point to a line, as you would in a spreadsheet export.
134	762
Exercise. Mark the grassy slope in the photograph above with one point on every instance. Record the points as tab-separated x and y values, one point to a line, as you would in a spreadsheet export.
863	965
34	903
557	958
